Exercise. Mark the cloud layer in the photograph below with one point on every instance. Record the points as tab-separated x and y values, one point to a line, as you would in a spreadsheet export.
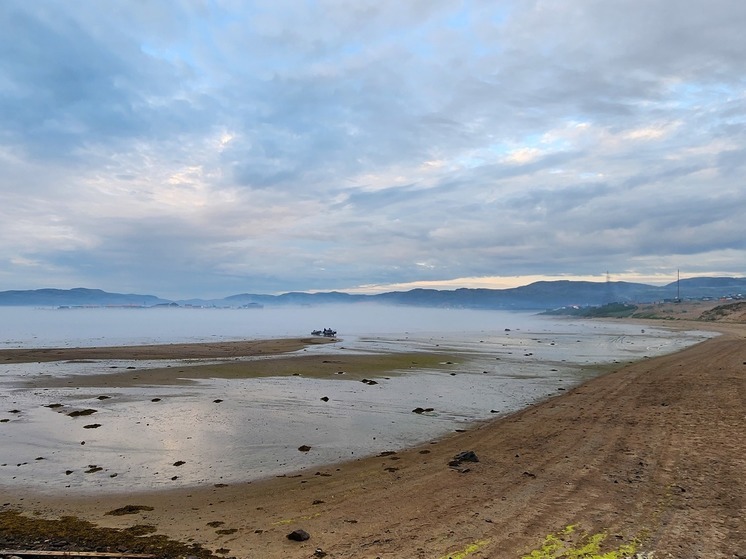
208	148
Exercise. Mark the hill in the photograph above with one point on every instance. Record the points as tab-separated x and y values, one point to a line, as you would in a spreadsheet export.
75	297
540	295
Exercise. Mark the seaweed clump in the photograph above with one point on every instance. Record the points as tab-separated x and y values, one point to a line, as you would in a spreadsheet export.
70	533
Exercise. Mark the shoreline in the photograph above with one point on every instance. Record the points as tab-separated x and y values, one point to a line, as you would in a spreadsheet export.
630	452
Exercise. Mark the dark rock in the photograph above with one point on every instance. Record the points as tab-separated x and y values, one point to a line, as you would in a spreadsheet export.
92	426
129	509
319	553
298	535
79	413
304	448
325	399
103	397
418	410
217	401
179	463
466	456
155	400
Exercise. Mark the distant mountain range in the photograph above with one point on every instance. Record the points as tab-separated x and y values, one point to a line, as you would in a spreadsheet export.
540	295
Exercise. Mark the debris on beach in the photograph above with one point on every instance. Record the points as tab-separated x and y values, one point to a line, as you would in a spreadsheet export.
466	456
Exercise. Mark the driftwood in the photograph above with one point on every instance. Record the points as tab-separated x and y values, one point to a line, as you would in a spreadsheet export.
42	553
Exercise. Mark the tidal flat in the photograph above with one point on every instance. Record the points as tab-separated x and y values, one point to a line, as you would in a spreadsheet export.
90	424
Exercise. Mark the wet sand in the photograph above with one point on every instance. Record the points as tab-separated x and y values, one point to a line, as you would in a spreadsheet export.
208	350
653	451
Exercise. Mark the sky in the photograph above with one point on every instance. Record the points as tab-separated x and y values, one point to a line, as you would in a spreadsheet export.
207	148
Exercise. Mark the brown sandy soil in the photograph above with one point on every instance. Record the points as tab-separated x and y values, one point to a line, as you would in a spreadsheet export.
655	451
732	311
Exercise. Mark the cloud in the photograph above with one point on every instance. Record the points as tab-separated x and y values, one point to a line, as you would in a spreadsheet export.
211	148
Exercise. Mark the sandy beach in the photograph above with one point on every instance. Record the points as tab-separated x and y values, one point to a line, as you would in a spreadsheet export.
650	456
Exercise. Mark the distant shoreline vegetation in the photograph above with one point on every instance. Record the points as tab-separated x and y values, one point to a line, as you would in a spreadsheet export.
610	310
727	310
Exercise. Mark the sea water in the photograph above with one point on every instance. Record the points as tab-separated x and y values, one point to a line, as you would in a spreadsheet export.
232	430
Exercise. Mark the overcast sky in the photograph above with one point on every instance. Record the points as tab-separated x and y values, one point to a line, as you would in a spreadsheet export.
206	148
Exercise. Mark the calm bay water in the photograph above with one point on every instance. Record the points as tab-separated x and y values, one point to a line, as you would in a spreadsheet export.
32	327
509	360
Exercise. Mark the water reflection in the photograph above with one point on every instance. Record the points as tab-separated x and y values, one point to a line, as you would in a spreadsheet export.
228	430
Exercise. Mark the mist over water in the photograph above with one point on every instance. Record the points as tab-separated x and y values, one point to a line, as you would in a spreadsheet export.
32	327
232	430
